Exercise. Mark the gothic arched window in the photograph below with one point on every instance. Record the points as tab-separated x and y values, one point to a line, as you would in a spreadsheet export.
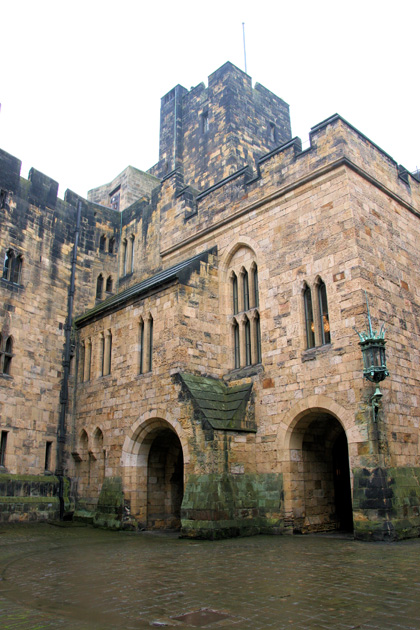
323	313
245	283
309	318
236	345
247	328
235	293
6	355
99	287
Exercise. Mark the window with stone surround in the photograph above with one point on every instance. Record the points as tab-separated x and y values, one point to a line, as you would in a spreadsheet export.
324	321
6	354
109	285
105	352
145	344
131	255
205	122
114	199
124	258
48	450
82	355
309	317
3	445
99	286
234	280
150	343
12	267
102	243
141	346
111	245
272	131
317	322
244	300
85	360
236	345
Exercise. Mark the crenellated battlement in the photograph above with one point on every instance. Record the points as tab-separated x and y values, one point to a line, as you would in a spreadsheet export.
333	143
212	132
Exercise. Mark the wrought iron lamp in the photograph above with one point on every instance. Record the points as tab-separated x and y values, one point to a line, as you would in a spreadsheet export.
373	351
375	370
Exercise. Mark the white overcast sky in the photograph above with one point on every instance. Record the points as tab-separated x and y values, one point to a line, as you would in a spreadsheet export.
81	81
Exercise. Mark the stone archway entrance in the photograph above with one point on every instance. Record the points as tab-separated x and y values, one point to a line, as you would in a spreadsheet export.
153	459
165	481
320	475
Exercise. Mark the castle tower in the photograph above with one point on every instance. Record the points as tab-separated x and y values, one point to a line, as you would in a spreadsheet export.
212	132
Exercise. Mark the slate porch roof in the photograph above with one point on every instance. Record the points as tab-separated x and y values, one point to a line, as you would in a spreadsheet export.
117	301
223	406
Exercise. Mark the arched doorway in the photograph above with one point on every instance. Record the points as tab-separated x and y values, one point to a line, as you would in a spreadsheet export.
320	475
165	481
154	457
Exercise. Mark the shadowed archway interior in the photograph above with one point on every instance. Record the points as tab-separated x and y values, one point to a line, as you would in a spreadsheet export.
165	487
321	475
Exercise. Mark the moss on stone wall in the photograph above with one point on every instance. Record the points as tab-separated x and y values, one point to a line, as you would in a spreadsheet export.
223	505
386	503
30	497
110	510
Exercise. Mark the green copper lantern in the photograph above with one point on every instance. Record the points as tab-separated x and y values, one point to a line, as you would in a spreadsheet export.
373	351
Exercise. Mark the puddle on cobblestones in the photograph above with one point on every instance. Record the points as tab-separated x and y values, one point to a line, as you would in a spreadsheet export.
112	580
201	618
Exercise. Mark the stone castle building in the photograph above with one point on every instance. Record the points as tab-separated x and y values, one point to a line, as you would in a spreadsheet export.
178	350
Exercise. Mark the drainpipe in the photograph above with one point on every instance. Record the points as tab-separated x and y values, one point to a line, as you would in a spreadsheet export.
64	393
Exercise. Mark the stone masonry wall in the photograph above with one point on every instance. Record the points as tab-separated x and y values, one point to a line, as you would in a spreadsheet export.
219	129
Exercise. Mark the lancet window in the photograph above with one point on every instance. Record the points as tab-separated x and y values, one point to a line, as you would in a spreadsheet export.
108	286
12	267
246	330
106	352
6	354
324	322
146	345
317	322
99	286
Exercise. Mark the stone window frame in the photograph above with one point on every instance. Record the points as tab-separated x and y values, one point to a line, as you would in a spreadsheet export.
105	353
323	315
85	373
131	254
102	243
115	198
3	448
145	344
12	267
315	314
272	131
127	255
109	285
6	354
205	122
111	245
48	456
245	323
99	287
124	257
236	344
309	316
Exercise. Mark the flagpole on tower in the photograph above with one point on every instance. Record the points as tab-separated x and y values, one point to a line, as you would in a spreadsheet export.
243	33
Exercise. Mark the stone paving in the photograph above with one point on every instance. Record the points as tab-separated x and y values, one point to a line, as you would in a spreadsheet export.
82	578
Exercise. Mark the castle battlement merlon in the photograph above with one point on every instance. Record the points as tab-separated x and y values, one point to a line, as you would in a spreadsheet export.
334	143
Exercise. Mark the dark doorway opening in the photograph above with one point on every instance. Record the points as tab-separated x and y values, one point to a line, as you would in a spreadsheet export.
165	481
342	485
320	475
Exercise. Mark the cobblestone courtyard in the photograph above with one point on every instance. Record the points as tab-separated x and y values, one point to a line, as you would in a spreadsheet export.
79	578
